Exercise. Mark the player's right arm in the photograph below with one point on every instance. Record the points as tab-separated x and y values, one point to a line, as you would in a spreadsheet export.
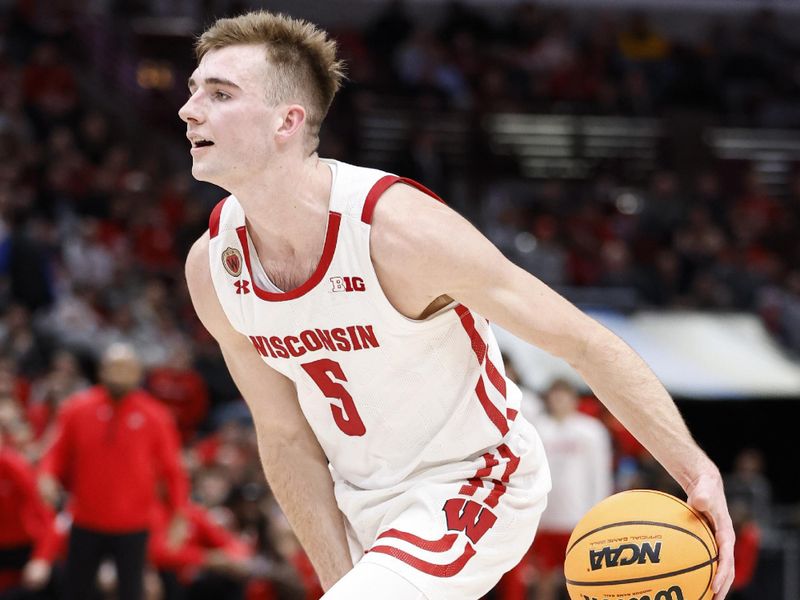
294	463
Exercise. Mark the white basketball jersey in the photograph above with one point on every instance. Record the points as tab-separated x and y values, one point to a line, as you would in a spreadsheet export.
387	396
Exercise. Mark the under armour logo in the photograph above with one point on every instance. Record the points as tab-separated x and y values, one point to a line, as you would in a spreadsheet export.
242	287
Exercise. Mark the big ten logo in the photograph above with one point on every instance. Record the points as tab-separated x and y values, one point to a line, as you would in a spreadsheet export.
673	593
468	516
347	284
625	554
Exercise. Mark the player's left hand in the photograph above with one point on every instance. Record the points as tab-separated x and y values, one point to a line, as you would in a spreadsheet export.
707	495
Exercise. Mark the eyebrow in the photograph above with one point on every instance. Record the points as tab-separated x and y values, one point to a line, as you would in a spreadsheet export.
213	81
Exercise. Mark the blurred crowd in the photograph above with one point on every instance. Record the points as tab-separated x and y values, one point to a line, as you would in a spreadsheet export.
94	226
712	236
716	244
530	58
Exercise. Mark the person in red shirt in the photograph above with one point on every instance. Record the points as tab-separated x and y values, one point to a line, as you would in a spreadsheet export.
181	388
746	550
192	550
24	518
114	445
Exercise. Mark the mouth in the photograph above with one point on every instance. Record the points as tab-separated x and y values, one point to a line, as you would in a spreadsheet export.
198	145
198	142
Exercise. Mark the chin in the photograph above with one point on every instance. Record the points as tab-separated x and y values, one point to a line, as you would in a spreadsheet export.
201	174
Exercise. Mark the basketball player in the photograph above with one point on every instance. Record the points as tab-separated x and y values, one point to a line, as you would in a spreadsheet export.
350	306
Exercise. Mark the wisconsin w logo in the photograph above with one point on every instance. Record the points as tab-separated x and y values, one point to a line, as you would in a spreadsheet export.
673	593
626	554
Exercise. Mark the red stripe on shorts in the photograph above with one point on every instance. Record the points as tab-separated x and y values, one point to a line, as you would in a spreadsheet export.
443	544
511	465
471	486
500	486
476	480
447	570
494	496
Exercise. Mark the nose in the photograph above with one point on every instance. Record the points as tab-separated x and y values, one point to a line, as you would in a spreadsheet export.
191	110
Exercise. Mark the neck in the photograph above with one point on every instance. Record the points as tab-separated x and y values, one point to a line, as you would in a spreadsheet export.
287	206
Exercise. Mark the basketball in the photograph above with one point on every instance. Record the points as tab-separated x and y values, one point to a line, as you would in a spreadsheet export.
641	545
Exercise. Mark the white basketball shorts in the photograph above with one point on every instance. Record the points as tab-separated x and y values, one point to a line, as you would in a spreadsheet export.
454	530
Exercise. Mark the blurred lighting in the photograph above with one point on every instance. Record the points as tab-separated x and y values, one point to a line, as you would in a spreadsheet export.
154	75
524	242
628	203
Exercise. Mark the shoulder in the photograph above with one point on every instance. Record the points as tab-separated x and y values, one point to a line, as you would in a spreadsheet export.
204	296
415	234
591	425
80	401
201	288
196	269
152	407
13	461
149	403
408	213
408	219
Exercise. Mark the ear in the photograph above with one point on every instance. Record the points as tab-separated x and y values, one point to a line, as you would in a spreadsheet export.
294	118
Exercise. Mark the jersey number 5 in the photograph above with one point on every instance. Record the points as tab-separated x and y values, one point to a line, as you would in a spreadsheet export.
327	374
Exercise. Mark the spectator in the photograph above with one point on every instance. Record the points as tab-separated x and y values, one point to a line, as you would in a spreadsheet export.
748	485
746	550
24	517
182	389
578	449
63	380
115	443
21	343
24	261
190	550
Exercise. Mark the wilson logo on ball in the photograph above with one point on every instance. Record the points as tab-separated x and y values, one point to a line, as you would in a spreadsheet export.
626	554
673	593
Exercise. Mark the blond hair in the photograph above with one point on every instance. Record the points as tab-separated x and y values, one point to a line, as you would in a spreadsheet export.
302	55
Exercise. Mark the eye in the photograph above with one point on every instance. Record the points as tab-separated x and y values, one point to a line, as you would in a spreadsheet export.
219	95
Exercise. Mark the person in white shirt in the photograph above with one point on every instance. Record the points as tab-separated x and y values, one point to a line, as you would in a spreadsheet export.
578	448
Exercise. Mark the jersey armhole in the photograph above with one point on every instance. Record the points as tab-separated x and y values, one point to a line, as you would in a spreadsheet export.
383	184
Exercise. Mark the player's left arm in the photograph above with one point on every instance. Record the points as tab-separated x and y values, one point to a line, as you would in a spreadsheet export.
427	250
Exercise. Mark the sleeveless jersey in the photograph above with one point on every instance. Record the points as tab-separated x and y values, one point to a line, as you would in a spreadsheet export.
387	396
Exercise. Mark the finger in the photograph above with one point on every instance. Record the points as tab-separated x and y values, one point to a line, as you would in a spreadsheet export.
723	590
725	573
701	501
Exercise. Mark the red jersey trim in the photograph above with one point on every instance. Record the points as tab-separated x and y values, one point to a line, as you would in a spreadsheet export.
332	234
383	184
213	220
494	414
481	350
